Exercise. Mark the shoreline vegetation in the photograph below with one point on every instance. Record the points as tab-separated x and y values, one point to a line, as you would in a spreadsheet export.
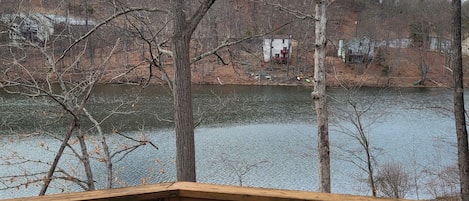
339	74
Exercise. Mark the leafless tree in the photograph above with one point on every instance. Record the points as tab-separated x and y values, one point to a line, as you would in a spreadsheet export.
428	29
459	111
240	167
183	29
319	96
359	115
180	81
441	181
56	81
392	180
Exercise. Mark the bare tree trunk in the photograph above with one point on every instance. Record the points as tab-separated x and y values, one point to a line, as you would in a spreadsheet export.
370	168
107	154
185	148
51	171
85	159
320	98
459	111
184	123
363	139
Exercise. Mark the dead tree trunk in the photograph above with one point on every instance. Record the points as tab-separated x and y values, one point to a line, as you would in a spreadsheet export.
459	111
319	96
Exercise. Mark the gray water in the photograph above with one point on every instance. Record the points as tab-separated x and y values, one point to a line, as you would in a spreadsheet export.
263	136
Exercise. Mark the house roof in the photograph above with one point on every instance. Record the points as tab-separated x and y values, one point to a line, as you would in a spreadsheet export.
278	37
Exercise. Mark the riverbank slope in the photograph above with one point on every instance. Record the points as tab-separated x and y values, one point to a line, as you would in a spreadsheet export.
398	72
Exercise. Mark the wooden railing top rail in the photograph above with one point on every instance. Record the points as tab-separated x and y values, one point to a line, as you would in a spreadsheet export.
198	191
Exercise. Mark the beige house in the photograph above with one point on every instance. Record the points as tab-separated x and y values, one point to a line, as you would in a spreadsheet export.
465	47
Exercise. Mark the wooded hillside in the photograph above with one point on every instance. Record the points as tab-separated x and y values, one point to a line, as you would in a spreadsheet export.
423	22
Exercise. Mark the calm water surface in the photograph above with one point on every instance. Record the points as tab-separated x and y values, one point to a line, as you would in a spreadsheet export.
268	128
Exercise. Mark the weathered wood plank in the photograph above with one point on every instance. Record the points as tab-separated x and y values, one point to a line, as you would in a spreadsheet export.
145	192
222	192
189	191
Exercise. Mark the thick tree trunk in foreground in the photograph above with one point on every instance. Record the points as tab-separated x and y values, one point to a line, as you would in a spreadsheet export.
459	111
184	123
320	98
185	148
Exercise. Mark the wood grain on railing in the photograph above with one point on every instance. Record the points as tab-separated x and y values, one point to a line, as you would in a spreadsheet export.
189	191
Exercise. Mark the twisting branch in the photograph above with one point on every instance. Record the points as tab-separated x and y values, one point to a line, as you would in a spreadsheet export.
26	178
129	149
155	60
220	58
132	68
296	13
104	22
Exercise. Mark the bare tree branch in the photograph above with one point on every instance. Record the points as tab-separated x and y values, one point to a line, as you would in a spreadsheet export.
104	22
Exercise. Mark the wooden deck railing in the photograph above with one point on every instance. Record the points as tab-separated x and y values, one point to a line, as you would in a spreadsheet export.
188	191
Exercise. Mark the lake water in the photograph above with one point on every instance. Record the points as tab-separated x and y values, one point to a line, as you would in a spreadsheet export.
263	136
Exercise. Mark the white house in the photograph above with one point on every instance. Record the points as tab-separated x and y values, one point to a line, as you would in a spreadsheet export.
37	27
360	49
278	49
465	47
30	26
